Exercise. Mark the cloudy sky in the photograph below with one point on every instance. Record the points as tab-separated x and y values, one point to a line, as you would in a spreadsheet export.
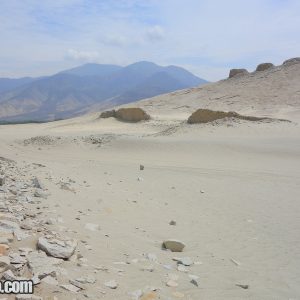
207	37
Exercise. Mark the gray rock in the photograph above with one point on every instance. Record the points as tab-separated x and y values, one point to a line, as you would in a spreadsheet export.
174	245
20	234
8	226
4	263
71	288
77	284
112	284
41	194
87	279
42	265
186	261
57	248
16	258
142	167
37	183
2	180
50	280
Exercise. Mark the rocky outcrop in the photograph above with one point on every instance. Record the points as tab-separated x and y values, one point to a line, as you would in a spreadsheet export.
131	115
264	66
291	61
108	114
207	115
237	72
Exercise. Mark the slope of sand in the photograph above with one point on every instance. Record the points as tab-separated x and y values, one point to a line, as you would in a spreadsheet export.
233	188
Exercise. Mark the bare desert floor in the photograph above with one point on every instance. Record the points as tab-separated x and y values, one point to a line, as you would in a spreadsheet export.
231	188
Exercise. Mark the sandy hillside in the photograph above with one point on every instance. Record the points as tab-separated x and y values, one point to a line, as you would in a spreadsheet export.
228	190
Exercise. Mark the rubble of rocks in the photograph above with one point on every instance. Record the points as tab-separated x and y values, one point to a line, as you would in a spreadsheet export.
49	254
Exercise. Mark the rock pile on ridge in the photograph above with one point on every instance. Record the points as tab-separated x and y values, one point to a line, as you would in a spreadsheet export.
237	72
264	66
207	115
133	114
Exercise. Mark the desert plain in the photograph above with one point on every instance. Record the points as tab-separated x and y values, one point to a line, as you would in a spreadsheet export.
229	190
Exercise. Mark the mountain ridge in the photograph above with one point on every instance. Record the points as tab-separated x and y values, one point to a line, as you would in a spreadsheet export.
76	90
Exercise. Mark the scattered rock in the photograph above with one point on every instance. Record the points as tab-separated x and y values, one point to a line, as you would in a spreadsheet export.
57	248
4	263
92	227
172	283
3	249
237	263
136	295
112	284
37	183
186	261
264	66
174	245
77	284
108	114
172	222
41	194
237	72
70	287
194	279
49	280
182	268
8	226
243	286
142	167
87	279
2	180
42	265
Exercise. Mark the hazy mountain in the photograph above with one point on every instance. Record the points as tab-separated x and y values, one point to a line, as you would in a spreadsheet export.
92	70
7	84
75	91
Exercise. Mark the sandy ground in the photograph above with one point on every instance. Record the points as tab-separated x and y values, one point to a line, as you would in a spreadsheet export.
233	188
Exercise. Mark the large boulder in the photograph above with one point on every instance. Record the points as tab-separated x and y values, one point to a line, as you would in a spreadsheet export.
108	114
207	115
134	115
291	61
237	72
264	66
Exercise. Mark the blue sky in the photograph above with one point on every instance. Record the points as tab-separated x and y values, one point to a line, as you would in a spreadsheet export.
208	37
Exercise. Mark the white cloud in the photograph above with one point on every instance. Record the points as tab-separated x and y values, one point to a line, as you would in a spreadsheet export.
88	56
155	33
217	34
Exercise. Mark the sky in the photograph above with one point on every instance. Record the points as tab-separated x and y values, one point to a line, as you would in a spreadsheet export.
207	37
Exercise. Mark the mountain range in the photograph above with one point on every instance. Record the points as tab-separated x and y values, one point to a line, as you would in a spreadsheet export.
91	86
